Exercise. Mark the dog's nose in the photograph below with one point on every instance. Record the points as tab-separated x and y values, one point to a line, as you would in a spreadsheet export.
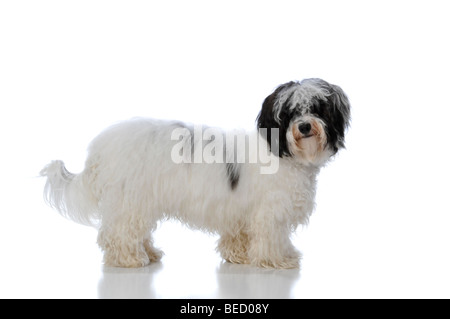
304	128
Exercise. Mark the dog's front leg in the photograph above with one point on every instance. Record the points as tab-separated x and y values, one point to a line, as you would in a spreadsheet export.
234	247
270	244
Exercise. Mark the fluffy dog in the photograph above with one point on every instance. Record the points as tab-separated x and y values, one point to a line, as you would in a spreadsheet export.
141	171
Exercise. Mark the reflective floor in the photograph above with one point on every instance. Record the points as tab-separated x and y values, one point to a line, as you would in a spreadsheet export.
46	256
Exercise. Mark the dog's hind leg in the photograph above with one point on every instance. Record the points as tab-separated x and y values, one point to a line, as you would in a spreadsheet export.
125	236
122	247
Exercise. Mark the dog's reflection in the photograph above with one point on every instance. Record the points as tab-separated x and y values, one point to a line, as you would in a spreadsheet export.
233	281
128	283
245	282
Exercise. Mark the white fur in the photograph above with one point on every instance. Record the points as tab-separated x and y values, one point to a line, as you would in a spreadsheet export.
300	94
130	183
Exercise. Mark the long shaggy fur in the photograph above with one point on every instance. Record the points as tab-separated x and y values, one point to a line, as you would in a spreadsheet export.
130	182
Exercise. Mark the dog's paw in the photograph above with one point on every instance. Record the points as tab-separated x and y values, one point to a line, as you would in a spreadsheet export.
154	254
126	261
237	259
287	263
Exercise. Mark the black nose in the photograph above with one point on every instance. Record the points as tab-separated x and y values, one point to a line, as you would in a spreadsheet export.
304	128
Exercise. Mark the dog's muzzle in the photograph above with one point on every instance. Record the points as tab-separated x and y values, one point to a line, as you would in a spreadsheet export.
305	129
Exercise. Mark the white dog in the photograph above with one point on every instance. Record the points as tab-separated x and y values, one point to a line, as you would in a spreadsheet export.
141	171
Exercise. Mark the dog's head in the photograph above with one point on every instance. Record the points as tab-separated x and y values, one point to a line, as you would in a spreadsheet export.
311	117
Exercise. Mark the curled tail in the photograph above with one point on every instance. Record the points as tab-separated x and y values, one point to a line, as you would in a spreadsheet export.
68	194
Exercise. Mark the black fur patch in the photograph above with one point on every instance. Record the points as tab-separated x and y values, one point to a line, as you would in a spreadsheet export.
266	120
335	113
233	172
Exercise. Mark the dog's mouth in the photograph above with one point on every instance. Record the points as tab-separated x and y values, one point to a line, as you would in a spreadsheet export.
308	136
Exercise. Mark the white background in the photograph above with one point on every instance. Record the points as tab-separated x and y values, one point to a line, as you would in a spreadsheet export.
381	229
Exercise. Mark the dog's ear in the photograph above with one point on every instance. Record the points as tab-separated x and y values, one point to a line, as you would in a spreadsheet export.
266	122
274	121
340	106
266	117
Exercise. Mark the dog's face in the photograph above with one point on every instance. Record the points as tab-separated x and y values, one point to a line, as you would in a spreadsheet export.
311	117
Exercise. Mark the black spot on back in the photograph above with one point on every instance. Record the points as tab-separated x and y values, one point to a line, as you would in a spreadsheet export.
233	172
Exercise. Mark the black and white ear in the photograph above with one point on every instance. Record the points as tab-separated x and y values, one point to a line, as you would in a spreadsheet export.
341	102
266	122
272	118
340	106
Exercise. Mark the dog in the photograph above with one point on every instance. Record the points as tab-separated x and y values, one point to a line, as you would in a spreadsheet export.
142	171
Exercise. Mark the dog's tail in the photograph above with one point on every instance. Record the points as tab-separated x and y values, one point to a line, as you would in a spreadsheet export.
69	195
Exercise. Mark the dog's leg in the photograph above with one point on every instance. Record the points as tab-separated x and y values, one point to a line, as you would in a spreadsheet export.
154	254
270	245
122	249
129	253
125	239
234	248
